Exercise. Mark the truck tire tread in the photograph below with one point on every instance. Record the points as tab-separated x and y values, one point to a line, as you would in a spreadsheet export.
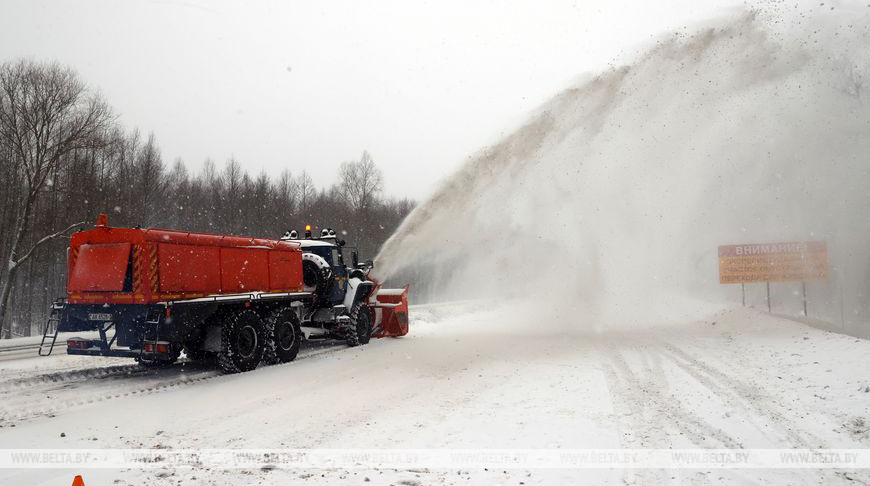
273	354
229	358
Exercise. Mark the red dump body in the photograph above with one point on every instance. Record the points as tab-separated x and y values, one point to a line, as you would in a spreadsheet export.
145	266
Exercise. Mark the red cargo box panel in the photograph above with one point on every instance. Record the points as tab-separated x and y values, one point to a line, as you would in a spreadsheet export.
285	270
100	267
244	270
188	268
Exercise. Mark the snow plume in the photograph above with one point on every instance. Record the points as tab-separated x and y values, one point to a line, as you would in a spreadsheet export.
611	200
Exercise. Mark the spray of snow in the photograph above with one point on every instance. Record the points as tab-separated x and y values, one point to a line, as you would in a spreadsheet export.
612	198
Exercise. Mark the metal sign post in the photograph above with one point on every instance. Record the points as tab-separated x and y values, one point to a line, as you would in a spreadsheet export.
804	285
842	298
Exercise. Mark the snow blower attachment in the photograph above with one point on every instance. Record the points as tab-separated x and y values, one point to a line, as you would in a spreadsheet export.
391	311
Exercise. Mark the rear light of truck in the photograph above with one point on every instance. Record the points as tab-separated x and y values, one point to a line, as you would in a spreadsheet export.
159	347
78	343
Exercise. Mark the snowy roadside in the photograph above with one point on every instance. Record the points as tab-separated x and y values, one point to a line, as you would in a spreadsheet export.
471	376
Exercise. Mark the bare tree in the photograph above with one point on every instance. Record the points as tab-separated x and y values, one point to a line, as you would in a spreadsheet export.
231	207
150	181
306	193
46	112
361	182
285	198
178	185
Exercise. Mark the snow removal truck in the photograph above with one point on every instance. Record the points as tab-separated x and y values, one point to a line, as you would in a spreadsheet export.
152	293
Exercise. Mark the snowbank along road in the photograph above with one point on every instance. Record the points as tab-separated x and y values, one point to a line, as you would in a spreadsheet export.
468	378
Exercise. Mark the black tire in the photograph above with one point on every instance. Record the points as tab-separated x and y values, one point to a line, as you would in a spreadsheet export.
243	340
316	275
360	331
283	336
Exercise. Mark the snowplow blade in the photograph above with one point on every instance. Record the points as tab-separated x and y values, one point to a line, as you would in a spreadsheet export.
391	312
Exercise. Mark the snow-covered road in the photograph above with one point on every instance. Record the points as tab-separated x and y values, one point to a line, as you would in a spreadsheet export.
468	376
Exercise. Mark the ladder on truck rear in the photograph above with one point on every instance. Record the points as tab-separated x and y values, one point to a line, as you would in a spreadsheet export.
52	325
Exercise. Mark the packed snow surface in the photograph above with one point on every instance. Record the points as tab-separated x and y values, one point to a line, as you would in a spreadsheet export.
472	375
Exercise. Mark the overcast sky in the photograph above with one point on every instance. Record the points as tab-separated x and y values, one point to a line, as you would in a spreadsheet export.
307	85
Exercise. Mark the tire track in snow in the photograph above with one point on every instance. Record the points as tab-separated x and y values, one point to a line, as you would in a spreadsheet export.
35	392
750	397
636	431
666	410
758	403
65	376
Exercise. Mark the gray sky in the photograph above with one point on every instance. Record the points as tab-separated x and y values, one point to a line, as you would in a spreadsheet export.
308	85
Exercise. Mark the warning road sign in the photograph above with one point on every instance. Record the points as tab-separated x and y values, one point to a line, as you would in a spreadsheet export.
773	262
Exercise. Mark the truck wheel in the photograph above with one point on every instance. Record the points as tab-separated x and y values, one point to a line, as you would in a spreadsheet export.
283	336
243	340
361	325
364	324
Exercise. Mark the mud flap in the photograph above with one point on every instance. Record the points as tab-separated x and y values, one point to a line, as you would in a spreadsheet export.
391	312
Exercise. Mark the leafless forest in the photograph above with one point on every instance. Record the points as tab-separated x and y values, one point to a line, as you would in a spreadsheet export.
64	158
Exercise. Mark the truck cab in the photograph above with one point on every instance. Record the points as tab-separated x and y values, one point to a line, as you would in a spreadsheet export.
332	253
341	291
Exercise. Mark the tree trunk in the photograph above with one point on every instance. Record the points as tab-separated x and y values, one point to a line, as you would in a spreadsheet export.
5	292
10	270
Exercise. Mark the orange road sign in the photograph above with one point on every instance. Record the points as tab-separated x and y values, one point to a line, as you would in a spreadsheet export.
773	262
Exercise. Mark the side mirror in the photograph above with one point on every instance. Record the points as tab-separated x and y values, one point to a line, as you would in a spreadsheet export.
370	263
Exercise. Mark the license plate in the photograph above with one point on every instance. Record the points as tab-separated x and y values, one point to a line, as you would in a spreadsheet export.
100	317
